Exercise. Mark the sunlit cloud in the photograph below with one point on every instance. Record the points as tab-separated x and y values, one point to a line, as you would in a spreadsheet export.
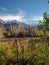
12	17
37	18
21	12
2	8
19	16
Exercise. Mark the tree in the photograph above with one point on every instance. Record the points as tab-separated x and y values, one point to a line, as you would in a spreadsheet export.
45	22
35	30
20	31
29	30
48	1
10	32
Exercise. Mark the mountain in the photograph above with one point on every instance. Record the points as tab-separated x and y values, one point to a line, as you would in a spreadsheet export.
39	27
15	23
1	23
2	29
7	24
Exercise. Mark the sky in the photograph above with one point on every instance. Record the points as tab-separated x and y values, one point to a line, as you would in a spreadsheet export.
26	11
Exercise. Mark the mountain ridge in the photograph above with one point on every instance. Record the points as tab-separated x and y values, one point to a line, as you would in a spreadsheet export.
15	23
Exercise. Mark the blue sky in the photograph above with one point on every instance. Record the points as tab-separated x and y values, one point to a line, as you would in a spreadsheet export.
28	11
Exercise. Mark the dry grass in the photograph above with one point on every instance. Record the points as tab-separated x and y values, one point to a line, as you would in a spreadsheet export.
24	50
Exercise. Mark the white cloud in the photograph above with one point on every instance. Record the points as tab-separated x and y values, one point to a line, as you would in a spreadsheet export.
21	12
12	17
37	18
2	8
19	16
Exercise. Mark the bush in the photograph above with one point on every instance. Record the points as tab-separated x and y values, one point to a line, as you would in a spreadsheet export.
47	33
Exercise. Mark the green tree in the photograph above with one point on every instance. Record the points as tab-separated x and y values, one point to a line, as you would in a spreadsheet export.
48	1
45	22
